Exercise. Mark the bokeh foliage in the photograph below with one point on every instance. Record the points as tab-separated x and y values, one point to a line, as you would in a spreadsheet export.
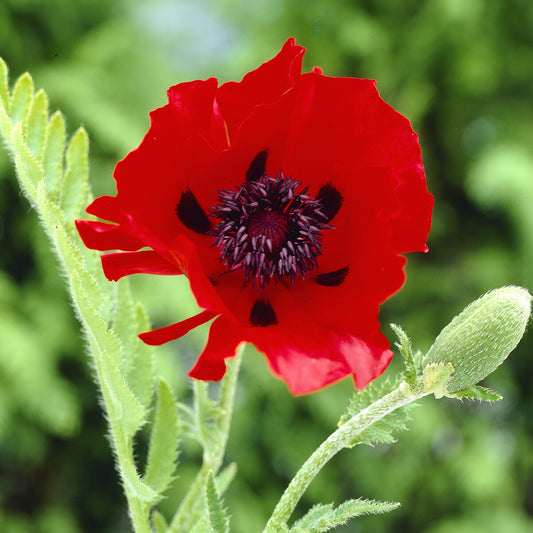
461	71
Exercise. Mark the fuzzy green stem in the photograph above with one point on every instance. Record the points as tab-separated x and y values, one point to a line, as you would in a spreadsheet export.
334	444
181	523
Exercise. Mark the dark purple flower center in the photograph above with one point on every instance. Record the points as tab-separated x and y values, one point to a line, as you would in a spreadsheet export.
270	229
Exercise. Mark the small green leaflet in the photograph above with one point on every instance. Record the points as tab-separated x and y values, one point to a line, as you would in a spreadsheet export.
163	450
476	393
218	518
382	430
159	524
323	517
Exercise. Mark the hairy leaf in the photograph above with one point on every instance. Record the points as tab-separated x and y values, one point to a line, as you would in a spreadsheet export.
123	407
86	293
323	517
4	90
382	430
218	518
202	526
28	169
163	450
225	477
159	524
74	189
476	393
36	124
207	413
54	148
140	364
134	484
21	99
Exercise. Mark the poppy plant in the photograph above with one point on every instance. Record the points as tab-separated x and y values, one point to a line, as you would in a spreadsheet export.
287	200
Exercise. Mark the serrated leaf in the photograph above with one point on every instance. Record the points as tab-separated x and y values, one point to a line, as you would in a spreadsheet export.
134	484
207	414
140	367
383	429
159	524
74	188
86	296
362	399
202	526
404	347
323	517
125	317
54	148
124	408
218	518
36	124
21	98
4	90
163	450
6	128
476	393
223	480
29	170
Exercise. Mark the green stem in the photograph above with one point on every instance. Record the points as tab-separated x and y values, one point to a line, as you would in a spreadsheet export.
122	445
181	523
334	444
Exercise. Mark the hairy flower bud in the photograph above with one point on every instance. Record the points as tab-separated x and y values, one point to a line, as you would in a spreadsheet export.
479	339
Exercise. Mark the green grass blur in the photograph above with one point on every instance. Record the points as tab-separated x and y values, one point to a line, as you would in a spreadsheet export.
461	71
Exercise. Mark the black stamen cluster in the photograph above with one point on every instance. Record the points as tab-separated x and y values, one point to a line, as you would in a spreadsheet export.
269	230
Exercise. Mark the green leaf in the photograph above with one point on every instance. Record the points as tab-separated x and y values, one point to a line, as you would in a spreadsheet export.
203	526
404	346
207	414
86	296
323	517
159	524
6	128
36	124
163	450
4	90
21	99
382	430
123	407
74	189
140	365
54	148
135	485
125	318
476	393
29	170
223	480
218	518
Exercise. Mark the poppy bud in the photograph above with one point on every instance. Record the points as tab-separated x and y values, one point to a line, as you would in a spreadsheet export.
479	339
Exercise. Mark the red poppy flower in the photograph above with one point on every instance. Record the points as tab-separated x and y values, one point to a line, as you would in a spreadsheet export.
286	199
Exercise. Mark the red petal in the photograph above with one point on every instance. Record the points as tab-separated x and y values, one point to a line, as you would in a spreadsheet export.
107	208
261	86
159	336
224	338
366	360
313	357
103	237
197	113
118	265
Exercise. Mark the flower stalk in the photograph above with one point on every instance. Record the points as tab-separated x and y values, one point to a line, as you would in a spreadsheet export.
338	440
181	521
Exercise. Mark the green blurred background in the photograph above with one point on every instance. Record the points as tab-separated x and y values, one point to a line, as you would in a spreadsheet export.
462	72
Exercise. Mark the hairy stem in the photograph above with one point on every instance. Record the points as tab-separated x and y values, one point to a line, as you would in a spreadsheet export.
334	444
181	523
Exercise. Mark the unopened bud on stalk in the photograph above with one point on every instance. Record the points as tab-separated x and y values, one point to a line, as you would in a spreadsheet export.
479	339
